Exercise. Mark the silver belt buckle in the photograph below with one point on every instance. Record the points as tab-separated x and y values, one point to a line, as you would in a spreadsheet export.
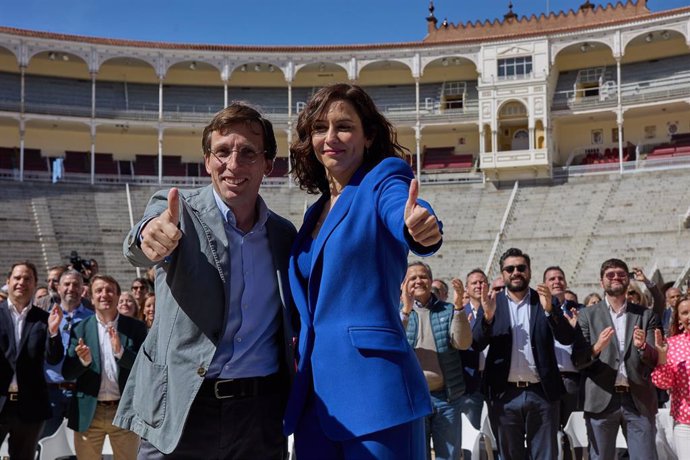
216	392
14	397
522	384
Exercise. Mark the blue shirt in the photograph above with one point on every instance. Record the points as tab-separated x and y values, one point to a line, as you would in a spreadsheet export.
54	371
249	346
522	366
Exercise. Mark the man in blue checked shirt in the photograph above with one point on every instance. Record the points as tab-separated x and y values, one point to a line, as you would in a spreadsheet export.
70	289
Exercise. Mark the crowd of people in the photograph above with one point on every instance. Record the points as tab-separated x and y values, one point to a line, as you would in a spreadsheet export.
262	331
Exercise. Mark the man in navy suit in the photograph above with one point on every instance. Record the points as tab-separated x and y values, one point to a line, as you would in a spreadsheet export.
573	398
28	338
472	360
521	380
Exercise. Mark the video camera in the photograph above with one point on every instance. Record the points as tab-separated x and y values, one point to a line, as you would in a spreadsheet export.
78	263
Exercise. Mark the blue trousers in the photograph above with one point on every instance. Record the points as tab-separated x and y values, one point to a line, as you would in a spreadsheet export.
401	442
639	430
524	416
443	426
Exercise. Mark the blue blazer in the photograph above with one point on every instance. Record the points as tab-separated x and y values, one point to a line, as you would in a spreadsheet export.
352	346
498	337
470	357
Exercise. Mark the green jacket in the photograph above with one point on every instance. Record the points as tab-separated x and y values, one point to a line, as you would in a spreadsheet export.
83	406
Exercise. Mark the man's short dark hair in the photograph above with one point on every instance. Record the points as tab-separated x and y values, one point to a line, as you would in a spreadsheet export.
28	265
476	270
73	272
108	279
143	281
241	112
515	252
553	267
613	263
419	263
568	291
445	285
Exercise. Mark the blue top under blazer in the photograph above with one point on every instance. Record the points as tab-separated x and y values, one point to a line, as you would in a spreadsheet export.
352	346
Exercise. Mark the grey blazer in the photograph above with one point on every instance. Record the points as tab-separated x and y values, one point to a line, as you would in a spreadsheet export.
601	372
190	316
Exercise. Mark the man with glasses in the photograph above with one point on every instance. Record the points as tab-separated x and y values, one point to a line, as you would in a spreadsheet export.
212	378
521	379
52	281
139	289
618	355
73	311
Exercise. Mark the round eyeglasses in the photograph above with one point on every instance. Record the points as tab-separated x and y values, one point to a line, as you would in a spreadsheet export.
244	156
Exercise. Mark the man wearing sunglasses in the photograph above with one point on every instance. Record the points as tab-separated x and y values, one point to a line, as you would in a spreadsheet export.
618	355
521	379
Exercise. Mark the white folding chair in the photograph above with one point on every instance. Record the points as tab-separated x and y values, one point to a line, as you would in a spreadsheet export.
4	449
471	437
576	430
59	444
485	427
665	445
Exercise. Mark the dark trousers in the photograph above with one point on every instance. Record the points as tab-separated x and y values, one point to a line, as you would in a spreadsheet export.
59	404
639	430
401	442
232	429
572	400
523	416
23	435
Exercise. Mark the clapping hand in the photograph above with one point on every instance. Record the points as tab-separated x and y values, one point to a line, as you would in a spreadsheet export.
54	320
114	340
83	352
545	297
458	292
661	346
639	337
488	303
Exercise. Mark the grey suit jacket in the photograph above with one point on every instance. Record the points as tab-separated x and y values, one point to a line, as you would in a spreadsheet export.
600	372
190	315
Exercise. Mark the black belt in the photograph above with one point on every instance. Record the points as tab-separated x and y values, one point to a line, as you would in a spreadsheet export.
571	375
240	388
109	403
621	389
523	384
70	386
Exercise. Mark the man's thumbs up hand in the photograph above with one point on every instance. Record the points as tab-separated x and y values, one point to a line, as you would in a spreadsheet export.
160	235
421	225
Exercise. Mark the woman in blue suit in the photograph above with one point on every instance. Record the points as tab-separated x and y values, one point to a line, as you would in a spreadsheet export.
359	391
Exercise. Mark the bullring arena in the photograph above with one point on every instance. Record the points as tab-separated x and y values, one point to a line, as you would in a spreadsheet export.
565	135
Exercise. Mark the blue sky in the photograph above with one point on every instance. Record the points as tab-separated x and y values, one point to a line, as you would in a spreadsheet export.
264	22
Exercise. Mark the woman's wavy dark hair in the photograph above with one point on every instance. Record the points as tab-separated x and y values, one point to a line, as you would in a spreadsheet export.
308	172
675	327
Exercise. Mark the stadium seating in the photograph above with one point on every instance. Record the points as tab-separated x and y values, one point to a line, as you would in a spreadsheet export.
444	158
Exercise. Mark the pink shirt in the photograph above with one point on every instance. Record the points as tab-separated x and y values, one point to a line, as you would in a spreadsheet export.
675	376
